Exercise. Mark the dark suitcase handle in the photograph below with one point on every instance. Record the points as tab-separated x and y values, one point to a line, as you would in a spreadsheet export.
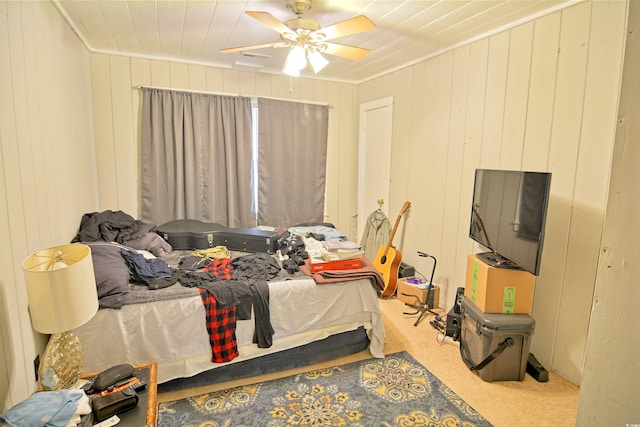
507	342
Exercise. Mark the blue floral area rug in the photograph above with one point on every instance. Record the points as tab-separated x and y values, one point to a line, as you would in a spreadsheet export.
394	391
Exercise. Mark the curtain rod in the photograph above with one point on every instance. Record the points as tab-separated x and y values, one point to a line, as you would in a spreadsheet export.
187	90
233	94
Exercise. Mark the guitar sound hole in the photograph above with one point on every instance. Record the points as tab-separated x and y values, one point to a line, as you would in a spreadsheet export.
383	259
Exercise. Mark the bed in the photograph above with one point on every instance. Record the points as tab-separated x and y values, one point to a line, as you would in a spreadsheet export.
167	325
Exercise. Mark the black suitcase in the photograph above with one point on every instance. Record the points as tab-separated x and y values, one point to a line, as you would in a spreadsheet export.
194	234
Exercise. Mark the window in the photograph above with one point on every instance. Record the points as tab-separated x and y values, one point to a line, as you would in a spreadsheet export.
232	160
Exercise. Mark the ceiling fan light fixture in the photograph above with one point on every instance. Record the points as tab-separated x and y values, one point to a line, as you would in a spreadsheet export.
306	40
297	58
318	62
295	61
291	71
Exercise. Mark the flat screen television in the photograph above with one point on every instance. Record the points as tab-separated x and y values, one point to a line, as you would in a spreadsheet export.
508	217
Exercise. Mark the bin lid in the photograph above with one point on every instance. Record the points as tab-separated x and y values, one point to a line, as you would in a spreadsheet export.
498	321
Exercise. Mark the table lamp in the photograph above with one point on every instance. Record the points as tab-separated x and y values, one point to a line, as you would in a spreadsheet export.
62	293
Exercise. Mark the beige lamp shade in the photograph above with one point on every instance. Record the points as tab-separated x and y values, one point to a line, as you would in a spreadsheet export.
61	288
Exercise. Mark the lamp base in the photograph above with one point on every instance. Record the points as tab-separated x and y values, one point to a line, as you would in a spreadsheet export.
62	362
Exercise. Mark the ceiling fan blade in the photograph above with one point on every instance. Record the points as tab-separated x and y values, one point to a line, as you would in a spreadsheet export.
270	21
344	51
252	47
359	24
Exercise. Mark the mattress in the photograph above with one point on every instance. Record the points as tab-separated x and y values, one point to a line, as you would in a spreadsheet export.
172	331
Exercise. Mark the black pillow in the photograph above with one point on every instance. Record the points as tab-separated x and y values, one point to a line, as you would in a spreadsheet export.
111	272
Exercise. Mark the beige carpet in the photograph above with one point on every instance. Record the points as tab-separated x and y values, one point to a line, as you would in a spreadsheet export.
504	403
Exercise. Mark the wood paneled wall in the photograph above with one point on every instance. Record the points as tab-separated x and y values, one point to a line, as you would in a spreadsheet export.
613	344
541	96
48	166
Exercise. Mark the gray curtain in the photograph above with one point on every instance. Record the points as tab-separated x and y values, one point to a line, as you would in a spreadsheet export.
292	140
196	158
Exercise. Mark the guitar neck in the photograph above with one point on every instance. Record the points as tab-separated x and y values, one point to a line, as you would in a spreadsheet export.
405	207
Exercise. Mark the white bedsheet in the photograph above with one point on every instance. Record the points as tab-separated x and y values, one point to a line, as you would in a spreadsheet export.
172	333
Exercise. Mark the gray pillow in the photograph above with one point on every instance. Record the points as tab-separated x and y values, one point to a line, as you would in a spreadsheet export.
111	272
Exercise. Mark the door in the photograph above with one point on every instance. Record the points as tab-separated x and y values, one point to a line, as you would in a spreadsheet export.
374	158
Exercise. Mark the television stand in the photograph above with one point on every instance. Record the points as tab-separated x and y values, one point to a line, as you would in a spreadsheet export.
498	261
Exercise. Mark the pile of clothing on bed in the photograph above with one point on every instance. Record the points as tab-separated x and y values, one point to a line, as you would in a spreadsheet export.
292	248
120	227
230	290
300	240
108	234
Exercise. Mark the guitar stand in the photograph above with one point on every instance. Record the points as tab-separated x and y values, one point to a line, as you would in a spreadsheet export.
423	307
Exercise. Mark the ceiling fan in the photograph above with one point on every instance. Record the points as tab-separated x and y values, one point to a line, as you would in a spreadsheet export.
306	40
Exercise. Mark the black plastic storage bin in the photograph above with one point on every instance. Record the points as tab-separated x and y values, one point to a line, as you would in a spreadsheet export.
496	346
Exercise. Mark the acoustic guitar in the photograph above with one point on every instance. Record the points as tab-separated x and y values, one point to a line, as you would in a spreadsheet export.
388	258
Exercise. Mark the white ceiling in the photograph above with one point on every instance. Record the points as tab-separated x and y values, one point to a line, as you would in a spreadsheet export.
194	30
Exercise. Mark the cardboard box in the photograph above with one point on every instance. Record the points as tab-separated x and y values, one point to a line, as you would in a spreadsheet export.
498	290
416	289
